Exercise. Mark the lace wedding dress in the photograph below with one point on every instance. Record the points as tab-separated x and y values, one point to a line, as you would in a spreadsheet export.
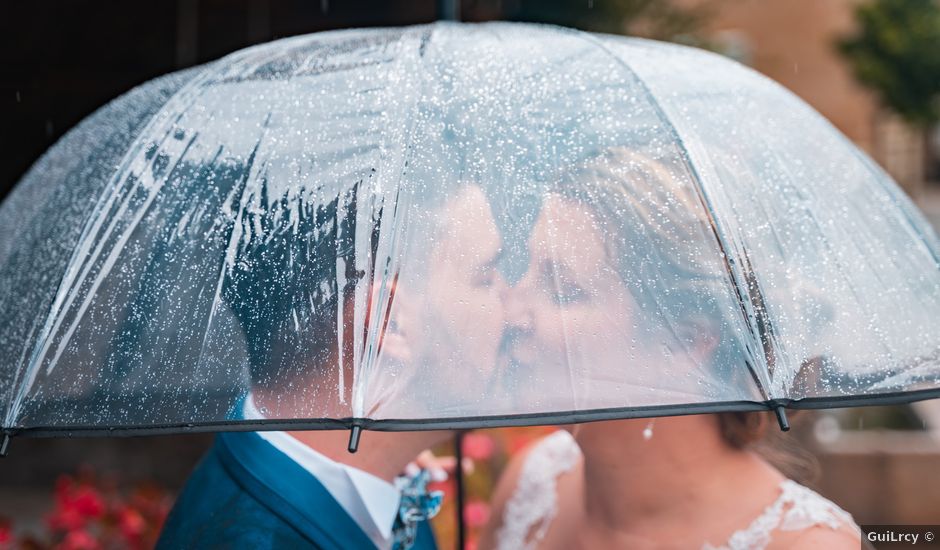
529	511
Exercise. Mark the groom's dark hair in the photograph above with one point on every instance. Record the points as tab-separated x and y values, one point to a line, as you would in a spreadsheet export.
292	269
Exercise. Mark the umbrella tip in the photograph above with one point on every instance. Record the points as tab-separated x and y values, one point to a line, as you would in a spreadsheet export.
4	445
354	434
781	413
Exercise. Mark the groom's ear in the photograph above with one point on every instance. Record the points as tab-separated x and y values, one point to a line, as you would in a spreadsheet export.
398	331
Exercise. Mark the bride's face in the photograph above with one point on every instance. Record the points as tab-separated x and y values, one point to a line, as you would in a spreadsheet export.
571	319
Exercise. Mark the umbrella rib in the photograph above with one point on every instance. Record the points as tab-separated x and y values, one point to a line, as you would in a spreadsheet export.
109	262
744	303
104	270
99	214
368	356
233	238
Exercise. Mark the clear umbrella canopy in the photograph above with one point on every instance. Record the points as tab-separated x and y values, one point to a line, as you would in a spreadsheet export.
457	225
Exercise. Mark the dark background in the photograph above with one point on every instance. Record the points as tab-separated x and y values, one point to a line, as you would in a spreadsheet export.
61	60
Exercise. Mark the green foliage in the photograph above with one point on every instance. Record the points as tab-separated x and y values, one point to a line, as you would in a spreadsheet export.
896	52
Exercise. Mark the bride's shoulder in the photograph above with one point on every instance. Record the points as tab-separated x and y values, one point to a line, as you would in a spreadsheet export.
819	537
537	496
809	520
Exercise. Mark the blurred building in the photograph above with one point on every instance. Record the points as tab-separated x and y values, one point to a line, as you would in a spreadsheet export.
63	60
882	472
793	42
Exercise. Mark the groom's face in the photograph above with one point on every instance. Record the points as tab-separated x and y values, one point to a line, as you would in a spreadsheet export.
464	298
447	315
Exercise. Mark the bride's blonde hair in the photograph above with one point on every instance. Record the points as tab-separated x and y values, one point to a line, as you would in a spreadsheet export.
656	228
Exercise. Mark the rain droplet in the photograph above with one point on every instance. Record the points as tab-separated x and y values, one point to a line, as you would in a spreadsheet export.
648	430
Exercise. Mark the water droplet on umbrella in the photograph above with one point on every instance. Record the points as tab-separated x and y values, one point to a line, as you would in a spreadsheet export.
648	430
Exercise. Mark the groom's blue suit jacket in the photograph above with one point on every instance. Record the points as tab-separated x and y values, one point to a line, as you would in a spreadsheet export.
247	494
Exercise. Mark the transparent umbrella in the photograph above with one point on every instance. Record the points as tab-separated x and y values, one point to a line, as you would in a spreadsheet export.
457	226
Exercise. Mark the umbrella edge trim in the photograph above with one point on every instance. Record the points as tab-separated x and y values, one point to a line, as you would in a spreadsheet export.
477	422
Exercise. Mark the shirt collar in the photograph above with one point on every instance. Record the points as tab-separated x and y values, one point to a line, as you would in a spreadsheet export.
371	501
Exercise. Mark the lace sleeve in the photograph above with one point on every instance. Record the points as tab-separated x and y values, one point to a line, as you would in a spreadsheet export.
810	508
532	506
797	508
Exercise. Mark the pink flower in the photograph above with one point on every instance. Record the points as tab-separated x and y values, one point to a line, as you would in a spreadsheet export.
131	523
478	446
475	513
447	487
79	540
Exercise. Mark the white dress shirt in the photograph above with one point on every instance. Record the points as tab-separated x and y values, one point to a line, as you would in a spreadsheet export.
371	501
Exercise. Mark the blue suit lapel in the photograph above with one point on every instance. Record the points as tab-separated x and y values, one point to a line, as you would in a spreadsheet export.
289	491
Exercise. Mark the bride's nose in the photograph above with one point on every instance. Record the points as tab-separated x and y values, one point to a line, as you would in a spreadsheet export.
516	307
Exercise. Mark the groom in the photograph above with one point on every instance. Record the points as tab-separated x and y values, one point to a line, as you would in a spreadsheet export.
287	288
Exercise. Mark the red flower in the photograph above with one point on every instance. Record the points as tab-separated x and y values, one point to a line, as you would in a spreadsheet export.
65	518
79	540
478	446
131	523
63	488
475	513
6	532
74	505
88	502
94	514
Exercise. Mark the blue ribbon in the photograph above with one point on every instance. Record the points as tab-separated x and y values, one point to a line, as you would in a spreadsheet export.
417	504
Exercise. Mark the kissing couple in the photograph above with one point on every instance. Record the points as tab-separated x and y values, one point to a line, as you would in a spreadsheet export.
597	294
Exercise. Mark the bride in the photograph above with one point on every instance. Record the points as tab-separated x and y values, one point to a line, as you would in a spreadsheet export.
686	487
675	482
